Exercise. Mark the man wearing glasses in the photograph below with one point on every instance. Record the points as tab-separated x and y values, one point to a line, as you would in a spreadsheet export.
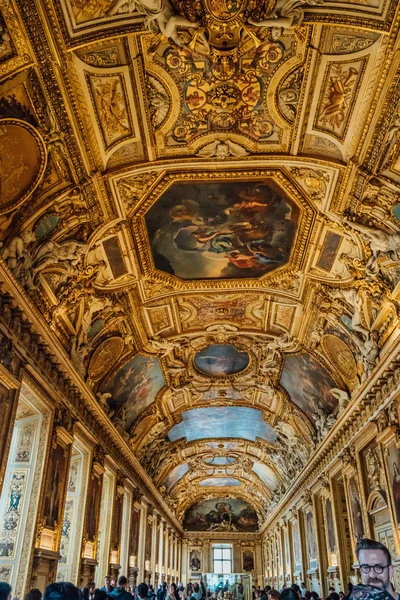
375	565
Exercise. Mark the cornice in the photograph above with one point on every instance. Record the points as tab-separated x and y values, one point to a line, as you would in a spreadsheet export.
55	367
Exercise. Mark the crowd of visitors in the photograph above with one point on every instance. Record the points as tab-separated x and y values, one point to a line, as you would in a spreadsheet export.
374	559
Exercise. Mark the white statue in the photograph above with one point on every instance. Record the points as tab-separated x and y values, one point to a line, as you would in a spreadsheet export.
288	435
78	354
160	16
51	252
379	241
342	397
222	150
323	422
103	397
15	252
353	298
164	346
286	14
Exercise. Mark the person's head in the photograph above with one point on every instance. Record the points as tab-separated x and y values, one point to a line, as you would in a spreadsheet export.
34	594
375	563
100	595
331	589
267	588
333	596
307	595
196	587
5	591
113	581
289	593
62	591
296	589
123	582
314	595
273	595
341	595
91	587
143	590
173	587
107	581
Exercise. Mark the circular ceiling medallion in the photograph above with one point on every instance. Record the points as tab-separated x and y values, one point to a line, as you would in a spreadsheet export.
23	162
340	355
105	356
221	360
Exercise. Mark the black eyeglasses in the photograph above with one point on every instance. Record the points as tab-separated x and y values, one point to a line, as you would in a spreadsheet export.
377	568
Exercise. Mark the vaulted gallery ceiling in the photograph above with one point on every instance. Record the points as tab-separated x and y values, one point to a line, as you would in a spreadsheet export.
200	200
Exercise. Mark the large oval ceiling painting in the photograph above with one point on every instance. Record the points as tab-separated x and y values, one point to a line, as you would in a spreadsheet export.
221	360
224	229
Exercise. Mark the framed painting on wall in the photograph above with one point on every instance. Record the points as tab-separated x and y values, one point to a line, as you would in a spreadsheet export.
393	463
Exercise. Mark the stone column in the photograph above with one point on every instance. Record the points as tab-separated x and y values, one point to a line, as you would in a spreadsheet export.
116	527
161	550
166	552
154	544
185	561
175	557
134	538
46	555
142	538
126	526
179	560
92	517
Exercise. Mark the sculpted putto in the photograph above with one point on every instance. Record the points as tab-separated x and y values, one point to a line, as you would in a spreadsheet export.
286	14
379	241
323	423
160	17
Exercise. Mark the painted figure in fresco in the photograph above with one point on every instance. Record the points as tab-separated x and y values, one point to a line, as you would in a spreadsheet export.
221	516
221	230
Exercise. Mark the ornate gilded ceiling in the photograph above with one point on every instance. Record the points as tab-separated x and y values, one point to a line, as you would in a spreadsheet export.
201	200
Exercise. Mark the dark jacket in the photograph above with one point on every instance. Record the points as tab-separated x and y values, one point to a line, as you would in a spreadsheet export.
108	592
121	594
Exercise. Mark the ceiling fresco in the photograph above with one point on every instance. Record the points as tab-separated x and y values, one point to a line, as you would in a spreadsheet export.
225	230
200	200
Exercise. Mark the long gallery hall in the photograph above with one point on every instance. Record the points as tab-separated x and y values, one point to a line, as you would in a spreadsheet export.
200	299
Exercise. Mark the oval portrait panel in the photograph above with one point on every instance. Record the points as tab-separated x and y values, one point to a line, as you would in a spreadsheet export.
22	162
340	355
105	356
221	360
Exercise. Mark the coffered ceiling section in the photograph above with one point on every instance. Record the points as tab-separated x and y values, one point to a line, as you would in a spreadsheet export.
201	199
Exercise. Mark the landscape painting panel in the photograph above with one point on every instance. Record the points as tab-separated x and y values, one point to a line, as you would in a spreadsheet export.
221	514
205	230
308	383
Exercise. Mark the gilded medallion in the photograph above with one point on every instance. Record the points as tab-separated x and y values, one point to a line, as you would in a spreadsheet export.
22	163
105	356
340	355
